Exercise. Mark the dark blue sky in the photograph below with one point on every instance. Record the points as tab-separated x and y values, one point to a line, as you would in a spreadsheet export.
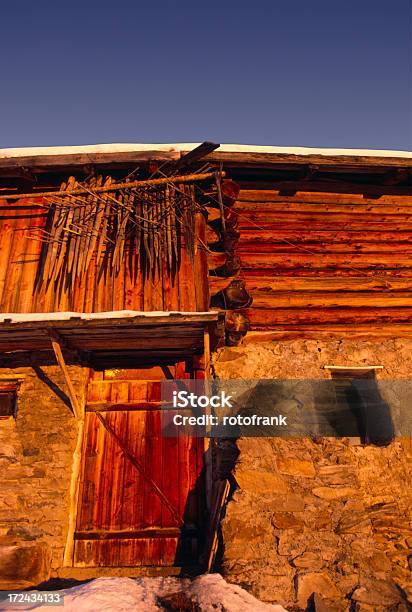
325	73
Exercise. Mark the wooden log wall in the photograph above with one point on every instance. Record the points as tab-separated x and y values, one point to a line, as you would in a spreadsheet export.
326	262
19	257
223	237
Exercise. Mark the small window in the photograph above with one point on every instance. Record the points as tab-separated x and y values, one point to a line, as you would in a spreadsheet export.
367	416
8	398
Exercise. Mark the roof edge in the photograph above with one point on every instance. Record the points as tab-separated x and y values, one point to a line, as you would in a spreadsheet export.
44	159
177	148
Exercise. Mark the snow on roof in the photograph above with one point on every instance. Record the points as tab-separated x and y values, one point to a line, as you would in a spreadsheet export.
185	147
32	317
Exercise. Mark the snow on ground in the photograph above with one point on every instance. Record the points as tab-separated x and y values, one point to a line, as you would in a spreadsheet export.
208	593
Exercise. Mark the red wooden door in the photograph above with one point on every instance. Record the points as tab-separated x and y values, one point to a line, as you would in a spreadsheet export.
141	494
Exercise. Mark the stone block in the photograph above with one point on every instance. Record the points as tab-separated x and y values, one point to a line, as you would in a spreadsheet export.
23	565
309	560
322	604
289	503
354	522
8	452
248	528
315	582
287	520
334	493
319	520
290	545
274	589
29	533
31	451
338	474
295	467
377	593
261	483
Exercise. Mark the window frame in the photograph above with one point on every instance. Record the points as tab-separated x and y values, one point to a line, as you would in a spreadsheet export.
349	372
10	386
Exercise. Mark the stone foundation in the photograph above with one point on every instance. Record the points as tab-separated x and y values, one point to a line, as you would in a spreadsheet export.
36	455
319	524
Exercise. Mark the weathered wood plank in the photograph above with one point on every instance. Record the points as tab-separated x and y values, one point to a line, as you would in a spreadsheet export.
319	284
285	299
263	318
321	198
146	475
287	209
308	260
85	159
372	189
380	274
77	409
327	236
321	217
269	244
267	159
322	223
149	532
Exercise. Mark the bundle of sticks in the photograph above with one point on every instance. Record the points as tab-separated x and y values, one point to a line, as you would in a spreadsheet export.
101	222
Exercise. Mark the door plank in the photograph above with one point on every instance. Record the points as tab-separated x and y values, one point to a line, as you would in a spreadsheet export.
139	467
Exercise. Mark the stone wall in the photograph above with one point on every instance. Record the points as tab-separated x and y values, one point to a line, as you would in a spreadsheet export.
322	524
36	454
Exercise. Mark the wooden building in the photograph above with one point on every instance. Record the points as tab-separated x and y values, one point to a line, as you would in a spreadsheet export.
124	265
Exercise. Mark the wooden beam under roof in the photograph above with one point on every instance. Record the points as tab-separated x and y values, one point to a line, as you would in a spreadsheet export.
107	335
55	342
46	159
73	160
196	154
267	159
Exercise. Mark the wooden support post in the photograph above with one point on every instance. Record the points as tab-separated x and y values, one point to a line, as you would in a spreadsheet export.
221	493
74	495
56	344
208	442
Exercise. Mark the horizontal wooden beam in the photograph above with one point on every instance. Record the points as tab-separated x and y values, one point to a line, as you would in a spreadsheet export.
302	259
47	162
286	209
286	299
294	318
269	244
185	178
131	406
326	235
99	360
284	217
314	284
380	274
233	158
267	159
253	222
138	321
323	198
153	532
292	187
